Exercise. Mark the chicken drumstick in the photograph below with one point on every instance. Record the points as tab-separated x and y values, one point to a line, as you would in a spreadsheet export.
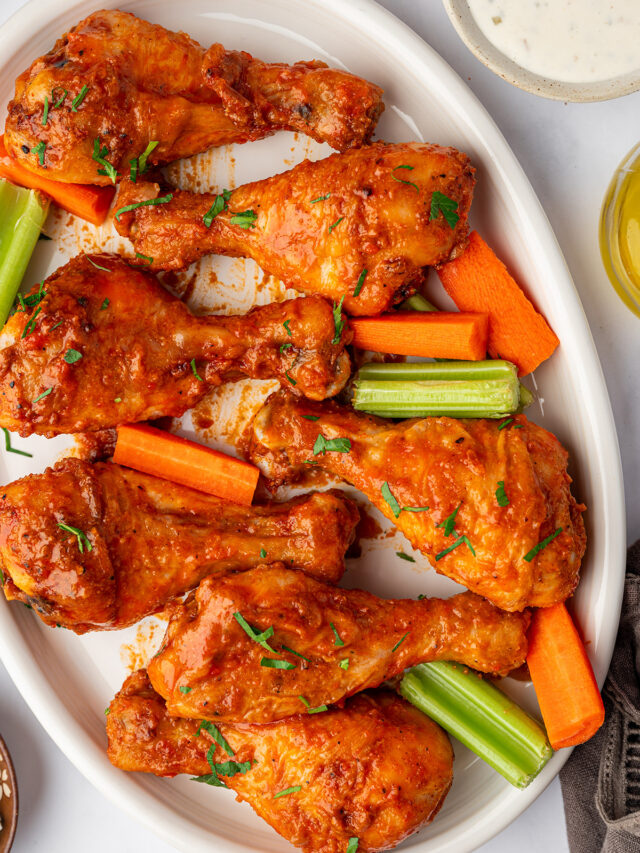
360	225
261	645
96	547
152	357
436	479
377	769
116	83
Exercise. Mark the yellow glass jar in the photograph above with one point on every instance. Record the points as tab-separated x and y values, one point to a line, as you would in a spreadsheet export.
620	230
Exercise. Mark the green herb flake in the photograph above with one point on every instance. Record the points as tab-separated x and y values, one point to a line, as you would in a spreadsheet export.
290	378
338	322
450	521
59	323
219	204
537	548
216	734
292	790
39	149
319	710
117	399
311	417
501	496
321	198
99	154
390	498
441	203
133	170
263	553
31	325
505	423
400	642
97	266
209	779
335	224
260	639
404	556
184	689
107	711
245	219
79	98
55	104
286	326
360	282
401	181
309	462
163	199
285	347
105	304
352	846
232	768
277	664
338	641
195	372
344	664
82	538
415	508
459	541
335	445
294	652
9	449
146	258
142	159
72	355
42	396
45	113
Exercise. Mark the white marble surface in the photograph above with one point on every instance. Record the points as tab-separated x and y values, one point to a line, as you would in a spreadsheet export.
569	152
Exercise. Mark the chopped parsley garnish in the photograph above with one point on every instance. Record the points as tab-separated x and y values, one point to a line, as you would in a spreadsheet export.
415	508
311	417
501	495
31	325
277	664
292	790
441	203
79	98
537	548
336	223
99	154
195	372
43	395
184	689
105	304
309	462
319	710
133	170
321	198
39	149
390	498
117	399
400	642
60	101
225	768
290	378
163	199
459	541
338	641
344	663
82	538
59	323
352	846
336	445
216	734
294	652
244	219
404	556
401	181
285	347
145	258
142	159
505	423
107	711
286	326
45	114
260	639
97	266
72	355
7	445
219	204
338	322
263	553
360	282
450	521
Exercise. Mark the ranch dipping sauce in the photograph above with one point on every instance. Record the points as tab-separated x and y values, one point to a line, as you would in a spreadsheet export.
576	41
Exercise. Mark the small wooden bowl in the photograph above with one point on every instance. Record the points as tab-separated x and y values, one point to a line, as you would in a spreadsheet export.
8	799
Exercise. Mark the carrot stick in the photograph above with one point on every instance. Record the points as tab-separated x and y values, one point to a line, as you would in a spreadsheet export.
173	458
477	280
437	335
565	685
83	200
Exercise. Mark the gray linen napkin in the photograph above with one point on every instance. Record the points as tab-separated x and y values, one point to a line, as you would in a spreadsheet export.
601	780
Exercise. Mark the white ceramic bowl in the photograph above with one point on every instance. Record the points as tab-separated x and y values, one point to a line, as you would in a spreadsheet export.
502	65
68	680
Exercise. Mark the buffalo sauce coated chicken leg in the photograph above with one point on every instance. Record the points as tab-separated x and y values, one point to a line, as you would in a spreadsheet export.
116	83
377	769
316	644
140	541
420	473
360	225
98	319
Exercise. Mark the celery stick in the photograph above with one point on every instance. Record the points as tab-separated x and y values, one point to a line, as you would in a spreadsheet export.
481	717
526	398
447	370
417	302
22	215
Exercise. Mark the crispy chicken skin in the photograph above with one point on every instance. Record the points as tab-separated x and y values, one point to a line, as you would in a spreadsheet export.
152	356
447	464
151	540
376	769
206	649
146	83
319	225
